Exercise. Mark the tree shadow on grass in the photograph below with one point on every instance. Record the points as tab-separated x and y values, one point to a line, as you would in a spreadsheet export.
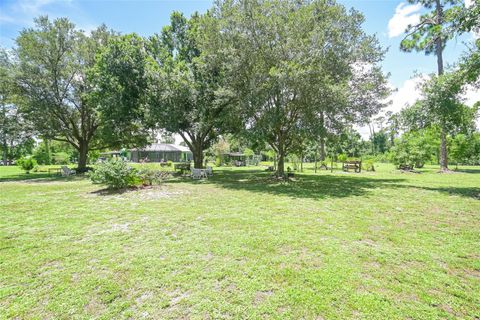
468	192
470	170
319	186
303	186
38	177
111	192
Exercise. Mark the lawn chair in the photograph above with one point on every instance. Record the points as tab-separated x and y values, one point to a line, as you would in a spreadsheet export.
66	171
198	173
209	171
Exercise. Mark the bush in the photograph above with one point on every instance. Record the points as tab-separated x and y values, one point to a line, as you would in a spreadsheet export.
218	161
368	165
27	163
149	175
342	157
116	174
414	149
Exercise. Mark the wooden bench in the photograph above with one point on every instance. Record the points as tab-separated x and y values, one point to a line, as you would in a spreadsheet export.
354	164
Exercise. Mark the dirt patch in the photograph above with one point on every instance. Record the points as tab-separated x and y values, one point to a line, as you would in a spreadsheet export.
95	306
144	297
138	194
50	267
368	242
118	227
261	296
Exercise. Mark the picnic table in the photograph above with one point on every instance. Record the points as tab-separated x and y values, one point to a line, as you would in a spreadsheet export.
356	165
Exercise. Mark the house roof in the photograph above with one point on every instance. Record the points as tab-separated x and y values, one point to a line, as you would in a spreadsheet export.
163	147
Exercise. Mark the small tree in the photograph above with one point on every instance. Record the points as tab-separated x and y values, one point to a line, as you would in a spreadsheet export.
27	164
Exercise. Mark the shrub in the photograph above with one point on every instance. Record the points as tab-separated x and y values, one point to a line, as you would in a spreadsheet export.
368	165
27	163
342	157
149	176
116	174
414	149
218	161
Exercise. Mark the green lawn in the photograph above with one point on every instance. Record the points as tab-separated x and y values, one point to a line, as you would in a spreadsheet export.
382	245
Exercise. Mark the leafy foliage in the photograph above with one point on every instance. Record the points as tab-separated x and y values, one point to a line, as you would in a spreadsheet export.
15	132
149	176
191	94
121	76
116	174
415	148
54	63
301	67
465	149
27	163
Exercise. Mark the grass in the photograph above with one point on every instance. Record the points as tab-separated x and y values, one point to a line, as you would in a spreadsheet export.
382	245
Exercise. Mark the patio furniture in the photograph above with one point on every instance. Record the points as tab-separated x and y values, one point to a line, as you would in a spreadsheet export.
354	164
66	171
199	173
209	171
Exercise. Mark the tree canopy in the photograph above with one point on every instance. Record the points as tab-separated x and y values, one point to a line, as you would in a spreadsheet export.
295	64
54	60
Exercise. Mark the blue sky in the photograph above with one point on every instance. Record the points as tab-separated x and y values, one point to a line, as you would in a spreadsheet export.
385	18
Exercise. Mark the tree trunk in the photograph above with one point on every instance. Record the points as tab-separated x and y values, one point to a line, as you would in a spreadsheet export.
5	154
281	164
438	41
301	163
443	150
47	150
439	53
197	156
322	149
281	157
82	156
315	161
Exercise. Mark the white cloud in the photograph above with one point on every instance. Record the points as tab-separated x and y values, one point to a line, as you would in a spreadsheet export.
22	12
406	95
404	16
471	95
402	97
33	7
409	93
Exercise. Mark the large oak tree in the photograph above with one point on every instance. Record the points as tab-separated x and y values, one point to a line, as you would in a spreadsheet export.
55	59
295	67
191	95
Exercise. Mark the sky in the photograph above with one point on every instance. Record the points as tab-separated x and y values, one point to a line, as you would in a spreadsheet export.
387	19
